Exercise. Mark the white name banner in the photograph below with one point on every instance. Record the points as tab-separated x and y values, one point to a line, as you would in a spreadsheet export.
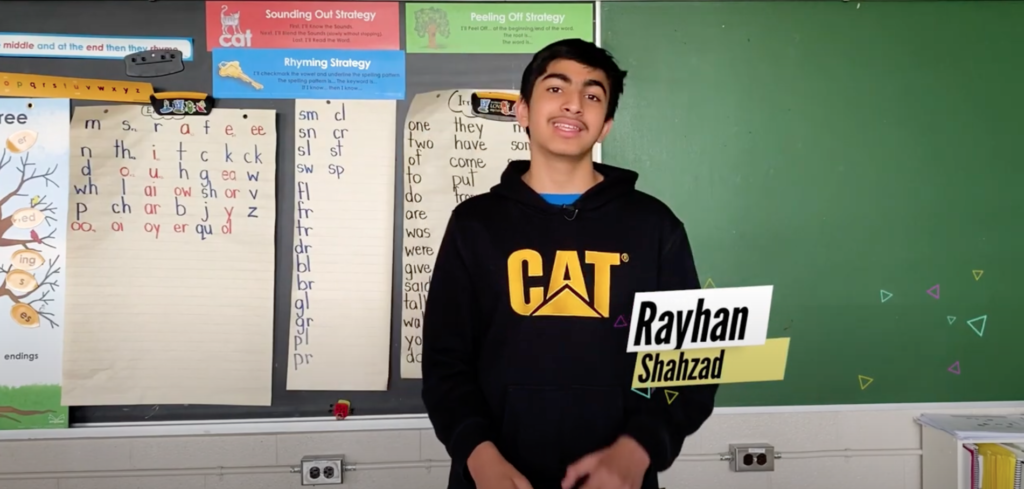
700	318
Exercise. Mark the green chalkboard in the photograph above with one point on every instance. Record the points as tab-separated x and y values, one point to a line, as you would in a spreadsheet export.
838	150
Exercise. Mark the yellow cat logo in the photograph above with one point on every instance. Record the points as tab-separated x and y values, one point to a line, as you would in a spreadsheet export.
566	294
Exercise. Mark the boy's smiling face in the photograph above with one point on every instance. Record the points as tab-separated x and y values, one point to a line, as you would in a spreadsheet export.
566	112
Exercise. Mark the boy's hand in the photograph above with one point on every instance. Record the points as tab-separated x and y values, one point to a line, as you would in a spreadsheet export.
619	466
491	471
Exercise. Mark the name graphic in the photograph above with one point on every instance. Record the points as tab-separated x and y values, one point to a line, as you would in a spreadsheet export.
700	318
675	367
704	336
762	363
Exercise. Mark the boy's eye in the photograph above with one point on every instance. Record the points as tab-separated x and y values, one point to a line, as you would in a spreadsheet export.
552	89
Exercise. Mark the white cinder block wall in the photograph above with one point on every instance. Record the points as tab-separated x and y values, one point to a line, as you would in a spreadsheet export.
884	453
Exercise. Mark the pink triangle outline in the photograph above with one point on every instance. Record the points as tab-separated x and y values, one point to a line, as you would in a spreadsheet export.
621	322
936	293
955	368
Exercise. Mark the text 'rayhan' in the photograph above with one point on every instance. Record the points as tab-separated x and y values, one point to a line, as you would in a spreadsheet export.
700	318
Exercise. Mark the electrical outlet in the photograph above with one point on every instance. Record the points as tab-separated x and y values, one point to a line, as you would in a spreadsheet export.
752	457
322	469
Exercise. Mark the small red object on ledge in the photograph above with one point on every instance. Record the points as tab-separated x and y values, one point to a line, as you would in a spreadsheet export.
341	409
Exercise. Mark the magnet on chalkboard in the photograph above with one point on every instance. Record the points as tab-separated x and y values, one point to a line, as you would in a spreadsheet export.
181	103
341	409
151	64
496	106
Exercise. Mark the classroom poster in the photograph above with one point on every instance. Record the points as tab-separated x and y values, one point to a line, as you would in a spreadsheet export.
171	288
449	155
343	244
33	215
501	28
308	74
302	25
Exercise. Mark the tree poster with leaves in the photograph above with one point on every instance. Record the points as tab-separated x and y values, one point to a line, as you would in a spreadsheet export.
35	135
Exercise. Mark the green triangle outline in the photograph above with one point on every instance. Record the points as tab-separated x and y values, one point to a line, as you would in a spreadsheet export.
647	395
984	321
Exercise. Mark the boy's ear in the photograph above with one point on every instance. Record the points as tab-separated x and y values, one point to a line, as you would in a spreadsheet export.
605	130
522	113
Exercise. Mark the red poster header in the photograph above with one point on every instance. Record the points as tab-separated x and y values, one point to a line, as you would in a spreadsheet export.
310	25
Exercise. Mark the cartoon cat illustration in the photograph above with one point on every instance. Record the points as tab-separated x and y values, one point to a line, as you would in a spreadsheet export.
229	20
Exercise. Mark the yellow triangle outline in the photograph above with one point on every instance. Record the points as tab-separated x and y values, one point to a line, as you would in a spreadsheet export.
864	385
670	396
709	281
977	274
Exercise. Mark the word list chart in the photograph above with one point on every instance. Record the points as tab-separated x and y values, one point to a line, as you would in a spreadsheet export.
342	252
170	294
449	155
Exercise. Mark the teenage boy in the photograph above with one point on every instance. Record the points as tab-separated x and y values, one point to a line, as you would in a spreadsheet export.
526	379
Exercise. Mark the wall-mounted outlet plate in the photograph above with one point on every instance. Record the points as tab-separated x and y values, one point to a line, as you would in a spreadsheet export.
752	457
323	469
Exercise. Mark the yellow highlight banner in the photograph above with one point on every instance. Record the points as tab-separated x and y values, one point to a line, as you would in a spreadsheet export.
45	86
712	365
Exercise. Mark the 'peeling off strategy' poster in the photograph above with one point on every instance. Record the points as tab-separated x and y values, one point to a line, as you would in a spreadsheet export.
33	213
308	74
494	27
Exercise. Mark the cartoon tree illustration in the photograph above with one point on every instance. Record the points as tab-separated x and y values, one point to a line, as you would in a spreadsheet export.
27	173
432	22
33	303
29	304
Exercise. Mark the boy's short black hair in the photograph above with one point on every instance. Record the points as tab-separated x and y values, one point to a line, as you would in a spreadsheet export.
584	53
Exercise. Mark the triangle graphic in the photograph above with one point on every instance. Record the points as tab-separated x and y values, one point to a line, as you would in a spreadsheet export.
647	394
886	296
950	319
565	302
977	274
955	368
621	322
670	396
978	329
934	291
709	284
864	381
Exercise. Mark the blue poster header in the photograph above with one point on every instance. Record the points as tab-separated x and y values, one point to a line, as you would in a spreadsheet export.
308	74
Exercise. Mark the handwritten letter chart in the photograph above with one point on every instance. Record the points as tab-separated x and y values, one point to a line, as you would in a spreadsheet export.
170	294
449	156
343	245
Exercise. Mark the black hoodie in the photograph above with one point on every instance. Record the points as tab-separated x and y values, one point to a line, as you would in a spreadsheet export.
519	342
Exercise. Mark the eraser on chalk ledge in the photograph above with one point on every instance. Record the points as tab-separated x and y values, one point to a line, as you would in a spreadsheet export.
342	409
154	63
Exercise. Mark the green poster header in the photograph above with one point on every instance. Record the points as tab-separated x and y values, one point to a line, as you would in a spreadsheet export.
494	27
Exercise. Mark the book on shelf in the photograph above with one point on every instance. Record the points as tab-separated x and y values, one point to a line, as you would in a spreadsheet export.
974	427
